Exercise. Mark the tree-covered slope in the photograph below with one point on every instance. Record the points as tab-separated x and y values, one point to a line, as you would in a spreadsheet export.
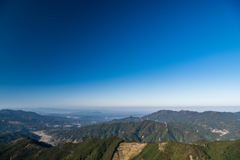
22	149
106	149
216	150
30	149
147	131
209	118
220	121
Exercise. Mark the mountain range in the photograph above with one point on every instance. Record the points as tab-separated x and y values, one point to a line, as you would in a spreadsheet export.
145	131
14	121
114	148
164	134
226	124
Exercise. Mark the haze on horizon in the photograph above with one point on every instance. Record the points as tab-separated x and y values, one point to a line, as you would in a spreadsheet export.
120	53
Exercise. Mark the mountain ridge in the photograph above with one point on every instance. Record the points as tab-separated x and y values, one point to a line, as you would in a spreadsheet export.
209	120
114	148
148	131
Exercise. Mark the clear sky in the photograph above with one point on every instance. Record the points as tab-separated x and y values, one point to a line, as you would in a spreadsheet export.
108	53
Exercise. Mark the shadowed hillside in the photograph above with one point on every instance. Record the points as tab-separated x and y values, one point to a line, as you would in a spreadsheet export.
8	137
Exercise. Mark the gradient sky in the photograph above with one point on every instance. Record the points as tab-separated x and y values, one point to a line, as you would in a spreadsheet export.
159	53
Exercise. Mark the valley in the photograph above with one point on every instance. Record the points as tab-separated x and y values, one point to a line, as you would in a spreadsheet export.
44	138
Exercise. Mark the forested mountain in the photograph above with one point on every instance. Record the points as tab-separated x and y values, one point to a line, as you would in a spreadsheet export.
24	116
31	149
114	148
183	126
8	137
149	139
226	124
13	121
220	121
211	118
147	131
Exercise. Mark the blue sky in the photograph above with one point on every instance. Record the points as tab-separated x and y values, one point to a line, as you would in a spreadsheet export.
119	53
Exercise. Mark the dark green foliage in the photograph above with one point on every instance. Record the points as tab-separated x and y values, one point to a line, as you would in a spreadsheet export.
103	149
94	149
52	154
221	150
68	150
151	152
217	150
22	149
200	142
130	119
176	150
